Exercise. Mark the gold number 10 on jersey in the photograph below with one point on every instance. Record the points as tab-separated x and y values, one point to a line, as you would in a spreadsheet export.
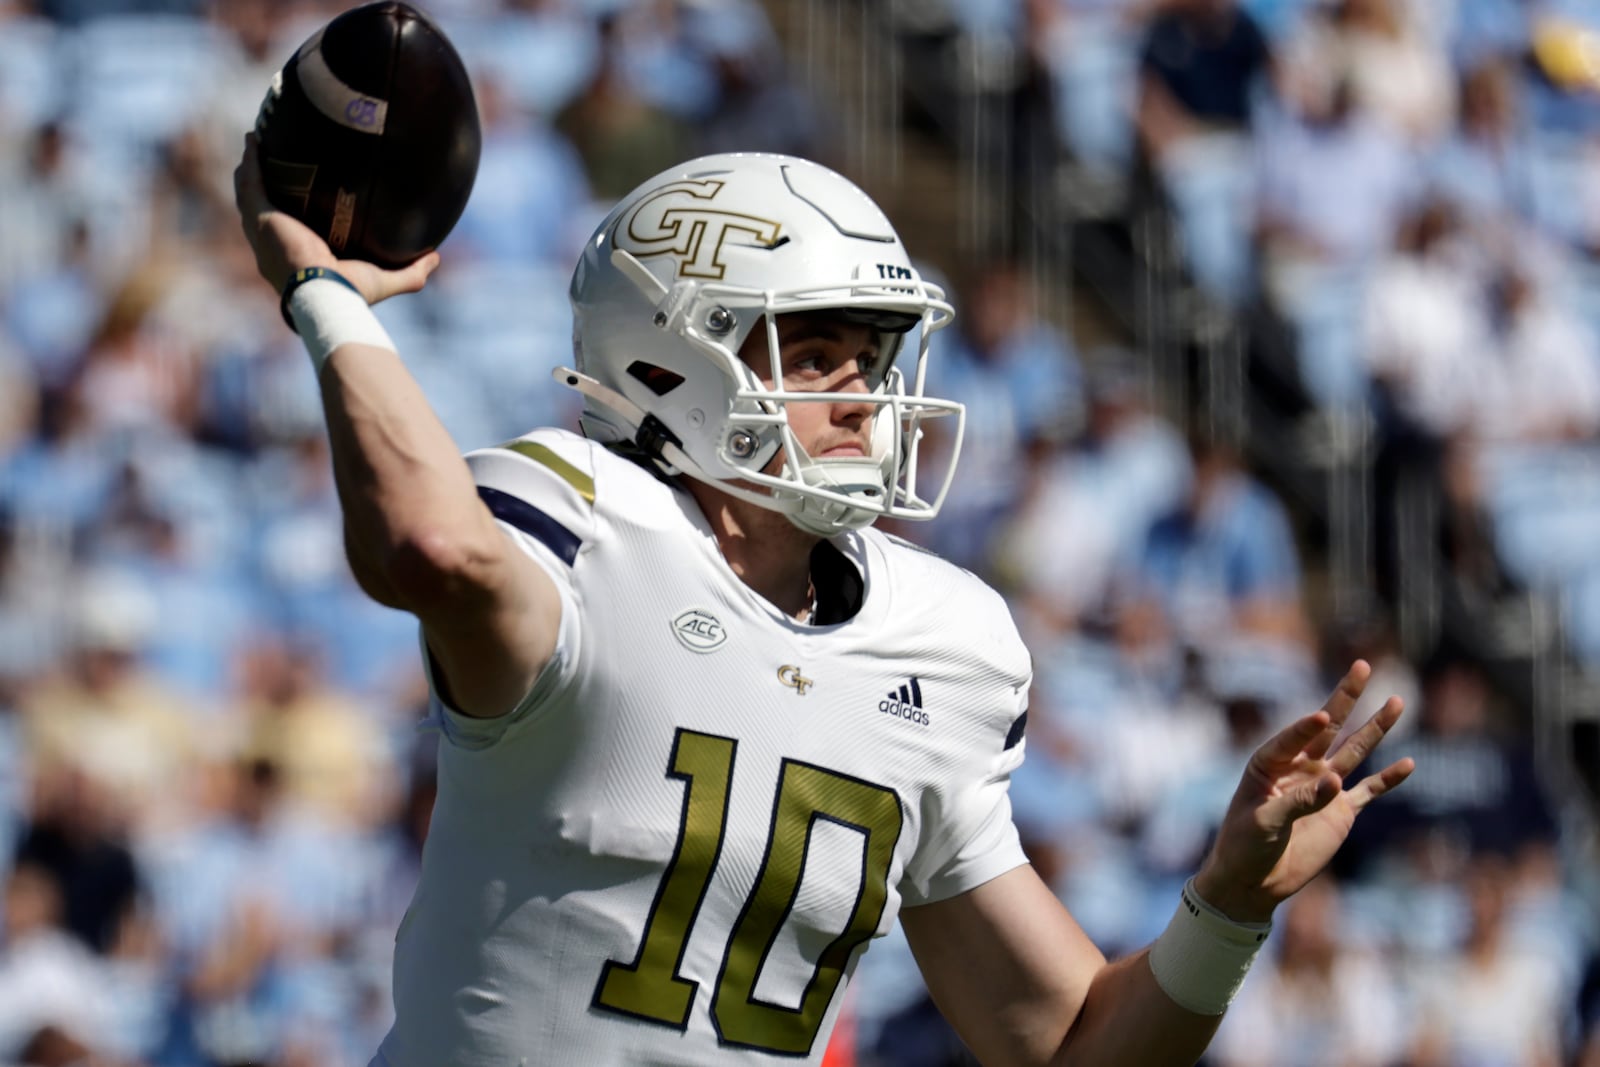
650	987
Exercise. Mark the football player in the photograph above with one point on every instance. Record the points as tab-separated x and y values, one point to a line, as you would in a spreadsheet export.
705	732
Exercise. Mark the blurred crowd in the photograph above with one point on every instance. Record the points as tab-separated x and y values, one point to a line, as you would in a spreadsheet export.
1405	193
213	787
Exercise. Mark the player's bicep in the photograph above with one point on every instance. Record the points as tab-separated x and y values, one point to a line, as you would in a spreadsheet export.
486	652
1006	964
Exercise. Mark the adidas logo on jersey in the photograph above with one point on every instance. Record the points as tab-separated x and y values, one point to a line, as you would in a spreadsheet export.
906	704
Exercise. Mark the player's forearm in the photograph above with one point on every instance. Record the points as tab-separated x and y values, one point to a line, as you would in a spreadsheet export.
1128	1020
411	511
1023	984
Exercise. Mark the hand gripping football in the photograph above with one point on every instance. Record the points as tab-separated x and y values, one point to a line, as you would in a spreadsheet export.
369	134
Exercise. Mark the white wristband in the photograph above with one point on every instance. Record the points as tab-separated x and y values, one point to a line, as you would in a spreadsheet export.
1200	960
327	314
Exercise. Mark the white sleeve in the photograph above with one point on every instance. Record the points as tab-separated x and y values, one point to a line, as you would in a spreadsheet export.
970	837
540	489
990	850
475	732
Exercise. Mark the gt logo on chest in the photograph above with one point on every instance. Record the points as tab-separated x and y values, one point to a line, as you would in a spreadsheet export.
790	676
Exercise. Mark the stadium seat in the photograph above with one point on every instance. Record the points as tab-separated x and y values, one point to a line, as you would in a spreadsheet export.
1544	504
32	72
140	79
1328	319
1560	167
1094	66
542	60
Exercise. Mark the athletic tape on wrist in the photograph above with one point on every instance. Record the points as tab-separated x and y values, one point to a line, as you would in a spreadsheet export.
328	313
1201	958
301	277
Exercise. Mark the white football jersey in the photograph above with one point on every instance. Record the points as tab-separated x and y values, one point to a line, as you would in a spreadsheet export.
675	848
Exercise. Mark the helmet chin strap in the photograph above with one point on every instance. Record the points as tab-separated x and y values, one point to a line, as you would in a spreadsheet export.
827	517
864	476
814	515
650	435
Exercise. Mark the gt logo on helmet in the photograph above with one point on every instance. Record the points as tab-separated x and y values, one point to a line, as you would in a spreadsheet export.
676	219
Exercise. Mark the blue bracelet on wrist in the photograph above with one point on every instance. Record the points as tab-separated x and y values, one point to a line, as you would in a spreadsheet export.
310	274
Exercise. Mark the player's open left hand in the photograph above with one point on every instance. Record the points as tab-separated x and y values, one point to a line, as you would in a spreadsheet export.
283	244
1292	811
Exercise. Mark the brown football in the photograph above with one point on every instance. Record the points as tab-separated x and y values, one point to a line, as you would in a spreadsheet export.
369	134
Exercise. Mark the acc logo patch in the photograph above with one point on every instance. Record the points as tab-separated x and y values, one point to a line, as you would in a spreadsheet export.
699	631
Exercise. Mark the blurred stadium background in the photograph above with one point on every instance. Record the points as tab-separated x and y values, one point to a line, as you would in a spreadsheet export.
1280	332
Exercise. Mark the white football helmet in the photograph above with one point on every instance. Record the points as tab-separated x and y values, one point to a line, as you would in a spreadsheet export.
670	287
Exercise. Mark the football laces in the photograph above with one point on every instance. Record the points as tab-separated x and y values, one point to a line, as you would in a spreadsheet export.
274	91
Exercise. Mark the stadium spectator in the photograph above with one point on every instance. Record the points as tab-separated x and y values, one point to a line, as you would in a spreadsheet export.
1138	459
1325	999
49	980
1397	73
1022	386
1204	65
1589	1015
1058	551
104	717
1203	62
16	763
257	899
1496	1002
395	852
1472	339
1225	563
531	195
188	205
1077	530
1235	699
619	134
19	399
1368	633
1543	380
1547	916
249	37
326	748
51	312
757	107
308	591
79	837
1421	328
135	375
1483	167
1332	188
41	197
1481	790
